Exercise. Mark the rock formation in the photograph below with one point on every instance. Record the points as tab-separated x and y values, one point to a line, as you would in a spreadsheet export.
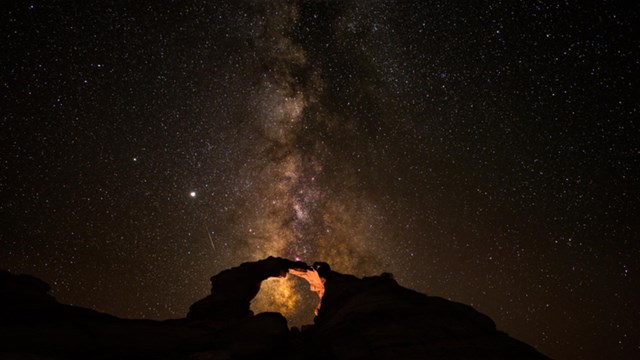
232	290
375	318
369	318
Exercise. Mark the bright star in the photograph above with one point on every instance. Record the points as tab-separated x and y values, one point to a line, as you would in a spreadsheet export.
192	194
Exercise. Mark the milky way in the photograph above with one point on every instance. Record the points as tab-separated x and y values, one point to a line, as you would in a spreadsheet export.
294	211
486	153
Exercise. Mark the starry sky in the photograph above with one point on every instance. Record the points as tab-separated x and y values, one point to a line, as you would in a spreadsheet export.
485	152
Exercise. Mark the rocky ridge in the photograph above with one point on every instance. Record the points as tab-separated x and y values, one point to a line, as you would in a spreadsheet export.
359	318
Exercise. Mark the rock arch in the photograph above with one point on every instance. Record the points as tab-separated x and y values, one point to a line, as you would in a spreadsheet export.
232	290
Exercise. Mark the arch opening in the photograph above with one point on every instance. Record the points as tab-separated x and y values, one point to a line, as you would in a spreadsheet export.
297	296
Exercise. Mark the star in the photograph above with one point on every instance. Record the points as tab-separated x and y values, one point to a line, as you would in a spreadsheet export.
490	147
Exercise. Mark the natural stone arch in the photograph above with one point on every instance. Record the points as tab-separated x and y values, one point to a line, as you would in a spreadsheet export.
232	290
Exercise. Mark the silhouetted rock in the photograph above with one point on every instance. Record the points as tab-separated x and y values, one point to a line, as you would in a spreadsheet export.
368	318
260	335
22	295
232	290
33	325
375	318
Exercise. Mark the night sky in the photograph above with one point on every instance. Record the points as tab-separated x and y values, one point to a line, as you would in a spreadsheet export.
487	153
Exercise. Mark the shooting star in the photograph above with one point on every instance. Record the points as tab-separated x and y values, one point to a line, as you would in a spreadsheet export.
210	238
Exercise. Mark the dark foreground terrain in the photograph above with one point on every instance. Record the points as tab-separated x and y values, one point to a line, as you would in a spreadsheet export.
368	318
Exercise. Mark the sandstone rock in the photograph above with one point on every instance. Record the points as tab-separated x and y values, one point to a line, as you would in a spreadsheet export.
369	318
232	290
375	318
265	334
